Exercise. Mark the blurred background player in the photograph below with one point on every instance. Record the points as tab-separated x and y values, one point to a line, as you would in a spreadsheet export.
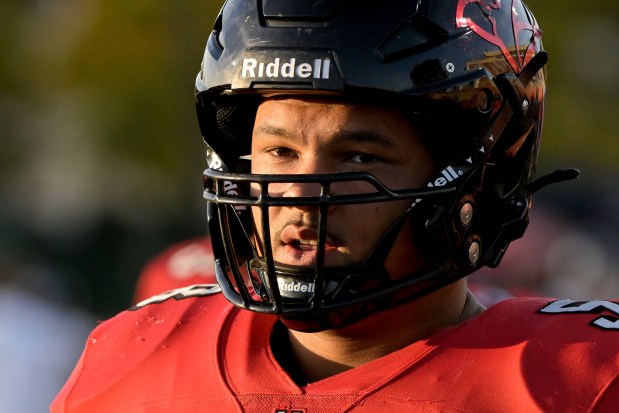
186	263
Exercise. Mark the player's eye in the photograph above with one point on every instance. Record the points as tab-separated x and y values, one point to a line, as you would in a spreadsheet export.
363	158
281	152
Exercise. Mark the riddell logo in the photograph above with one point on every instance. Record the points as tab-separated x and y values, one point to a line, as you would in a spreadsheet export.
298	286
449	174
291	68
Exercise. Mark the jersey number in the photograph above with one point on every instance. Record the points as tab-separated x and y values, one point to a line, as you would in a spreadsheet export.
607	322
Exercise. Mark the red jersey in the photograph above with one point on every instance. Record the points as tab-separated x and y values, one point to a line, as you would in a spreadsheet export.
192	351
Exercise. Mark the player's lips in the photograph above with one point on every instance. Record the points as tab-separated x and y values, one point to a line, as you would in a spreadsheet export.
301	245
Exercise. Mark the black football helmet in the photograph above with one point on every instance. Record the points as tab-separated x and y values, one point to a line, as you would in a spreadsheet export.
469	74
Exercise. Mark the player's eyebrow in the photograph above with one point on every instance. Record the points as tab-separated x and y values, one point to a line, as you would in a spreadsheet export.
268	129
357	136
366	136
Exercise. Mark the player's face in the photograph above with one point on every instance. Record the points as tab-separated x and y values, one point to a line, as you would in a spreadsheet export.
301	136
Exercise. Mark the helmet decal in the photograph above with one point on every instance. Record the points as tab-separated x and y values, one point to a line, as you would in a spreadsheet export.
263	66
517	43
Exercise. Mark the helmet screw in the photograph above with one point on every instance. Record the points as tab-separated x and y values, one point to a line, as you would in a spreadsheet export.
474	252
525	106
466	214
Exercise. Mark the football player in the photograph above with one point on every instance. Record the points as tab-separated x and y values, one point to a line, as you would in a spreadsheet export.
363	158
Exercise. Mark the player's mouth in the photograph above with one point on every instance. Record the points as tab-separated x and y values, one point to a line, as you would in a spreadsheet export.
305	244
300	246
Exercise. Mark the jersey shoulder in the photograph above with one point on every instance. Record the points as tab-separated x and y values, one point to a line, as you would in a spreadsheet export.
572	317
518	355
133	355
560	346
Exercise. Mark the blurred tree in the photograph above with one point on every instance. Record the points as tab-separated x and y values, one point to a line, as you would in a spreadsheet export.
101	151
581	124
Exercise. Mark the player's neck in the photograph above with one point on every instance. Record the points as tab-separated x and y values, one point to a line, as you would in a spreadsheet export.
321	355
